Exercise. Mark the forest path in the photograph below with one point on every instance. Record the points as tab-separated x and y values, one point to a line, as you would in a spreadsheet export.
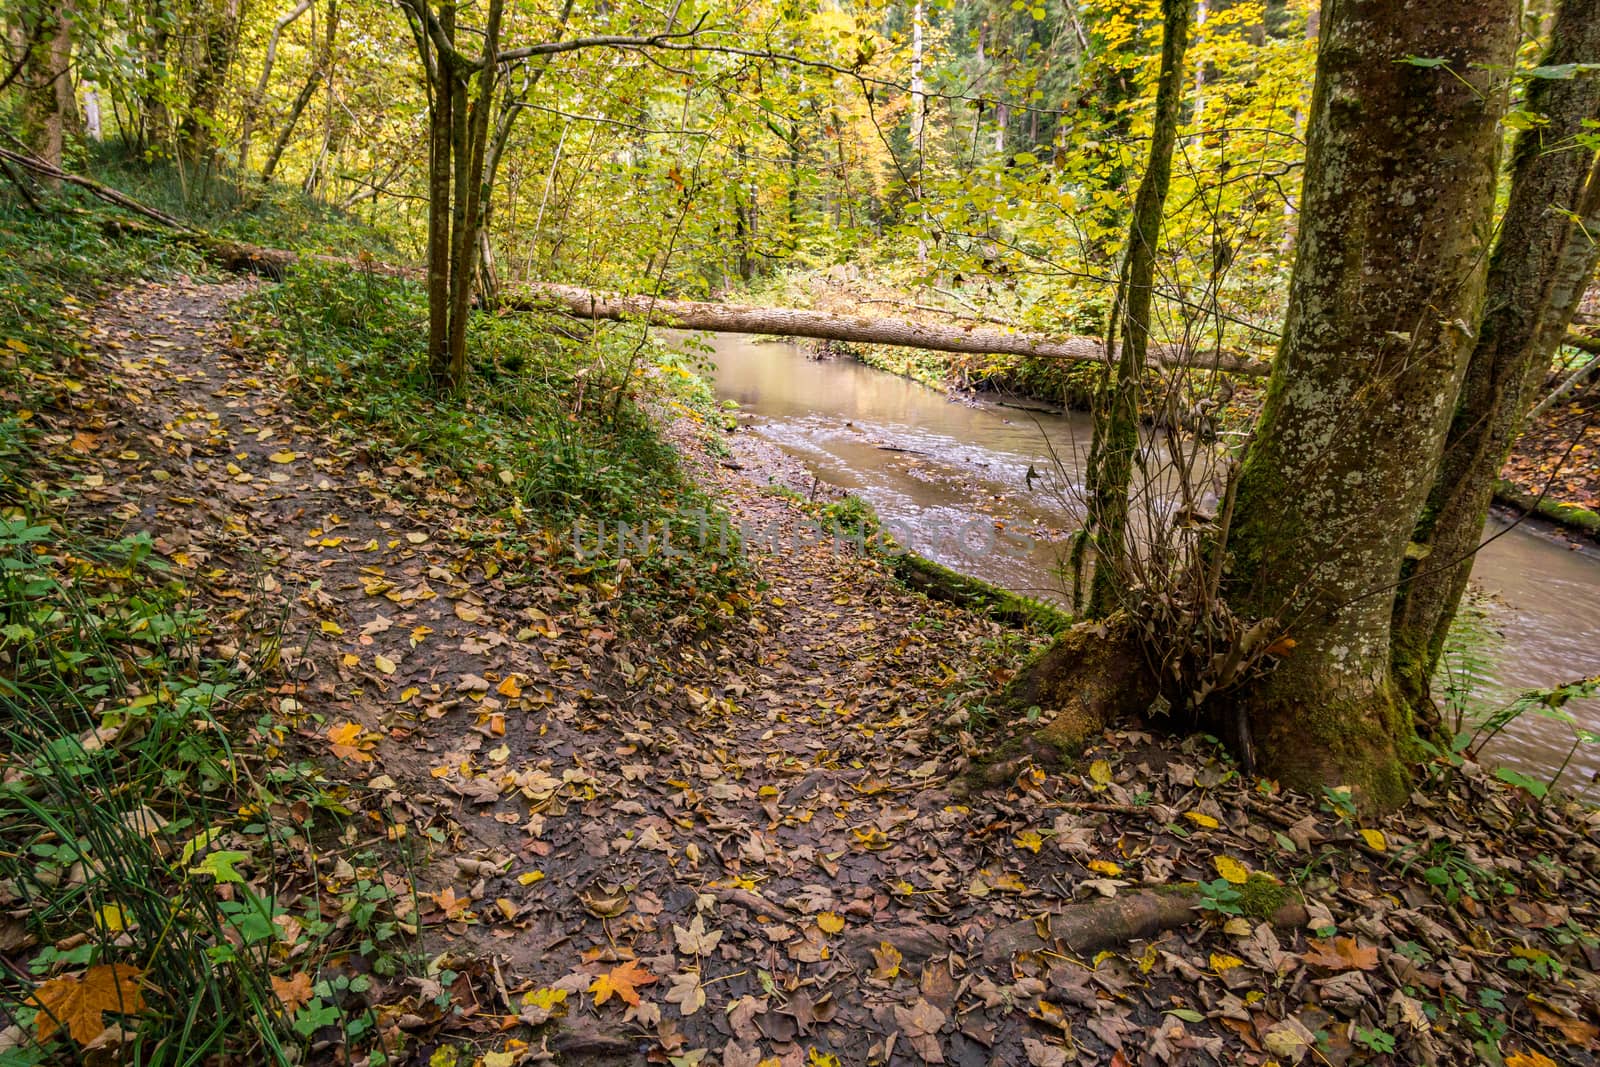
749	824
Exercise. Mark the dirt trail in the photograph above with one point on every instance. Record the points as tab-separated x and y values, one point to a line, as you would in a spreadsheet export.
777	784
746	847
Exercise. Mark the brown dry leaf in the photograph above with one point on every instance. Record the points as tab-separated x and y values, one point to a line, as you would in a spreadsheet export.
79	1002
687	993
1342	954
293	992
921	1023
624	981
1577	1031
696	940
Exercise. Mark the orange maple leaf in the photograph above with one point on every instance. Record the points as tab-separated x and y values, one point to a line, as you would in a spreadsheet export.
79	1002
347	741
293	992
624	981
1342	954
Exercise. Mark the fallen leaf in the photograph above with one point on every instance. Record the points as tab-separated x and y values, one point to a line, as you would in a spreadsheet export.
624	981
78	1003
1029	839
921	1023
1231	869
696	940
1341	954
293	992
687	993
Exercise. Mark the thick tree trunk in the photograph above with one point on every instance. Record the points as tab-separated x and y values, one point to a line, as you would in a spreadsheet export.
1116	407
219	43
1388	280
1544	257
794	322
47	98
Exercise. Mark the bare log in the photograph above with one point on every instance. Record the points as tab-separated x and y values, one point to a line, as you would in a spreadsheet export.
794	322
678	314
1084	929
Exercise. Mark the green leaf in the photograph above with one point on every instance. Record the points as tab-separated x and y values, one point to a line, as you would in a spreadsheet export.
1522	781
1424	61
220	865
1188	1015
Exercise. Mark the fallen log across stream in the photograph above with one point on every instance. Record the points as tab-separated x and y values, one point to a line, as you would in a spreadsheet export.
589	304
826	326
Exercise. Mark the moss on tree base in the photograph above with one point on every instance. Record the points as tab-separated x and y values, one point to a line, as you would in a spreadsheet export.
1091	675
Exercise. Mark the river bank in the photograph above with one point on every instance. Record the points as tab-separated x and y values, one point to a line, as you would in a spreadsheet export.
988	491
1553	471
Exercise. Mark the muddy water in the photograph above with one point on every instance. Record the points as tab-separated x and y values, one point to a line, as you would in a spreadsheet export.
953	481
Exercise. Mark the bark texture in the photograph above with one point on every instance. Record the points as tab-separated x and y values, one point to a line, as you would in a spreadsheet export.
1388	282
1543	258
47	98
793	322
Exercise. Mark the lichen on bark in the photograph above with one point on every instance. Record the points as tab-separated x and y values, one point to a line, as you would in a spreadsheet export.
1387	284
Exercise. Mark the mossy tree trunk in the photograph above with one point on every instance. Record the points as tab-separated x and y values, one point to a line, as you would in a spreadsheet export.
1388	281
1116	406
47	97
1544	256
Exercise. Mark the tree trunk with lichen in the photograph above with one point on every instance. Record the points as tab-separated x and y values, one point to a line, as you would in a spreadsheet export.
47	97
1544	256
1387	288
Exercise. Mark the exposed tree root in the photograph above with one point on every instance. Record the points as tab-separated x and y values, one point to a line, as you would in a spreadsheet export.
1084	929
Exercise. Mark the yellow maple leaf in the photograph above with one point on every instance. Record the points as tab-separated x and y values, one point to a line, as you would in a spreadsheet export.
1202	820
1105	867
1100	772
1029	839
510	688
78	1003
348	742
1221	961
830	923
1231	869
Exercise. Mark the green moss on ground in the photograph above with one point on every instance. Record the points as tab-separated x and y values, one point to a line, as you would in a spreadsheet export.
1571	516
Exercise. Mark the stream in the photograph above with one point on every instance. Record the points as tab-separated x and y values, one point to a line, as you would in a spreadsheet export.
951	480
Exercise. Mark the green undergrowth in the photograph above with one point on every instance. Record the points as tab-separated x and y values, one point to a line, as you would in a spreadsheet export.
158	858
553	435
52	269
216	199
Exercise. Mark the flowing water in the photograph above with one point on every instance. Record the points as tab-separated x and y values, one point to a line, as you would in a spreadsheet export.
986	489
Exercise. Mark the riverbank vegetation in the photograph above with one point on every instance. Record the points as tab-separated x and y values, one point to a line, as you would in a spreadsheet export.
399	667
